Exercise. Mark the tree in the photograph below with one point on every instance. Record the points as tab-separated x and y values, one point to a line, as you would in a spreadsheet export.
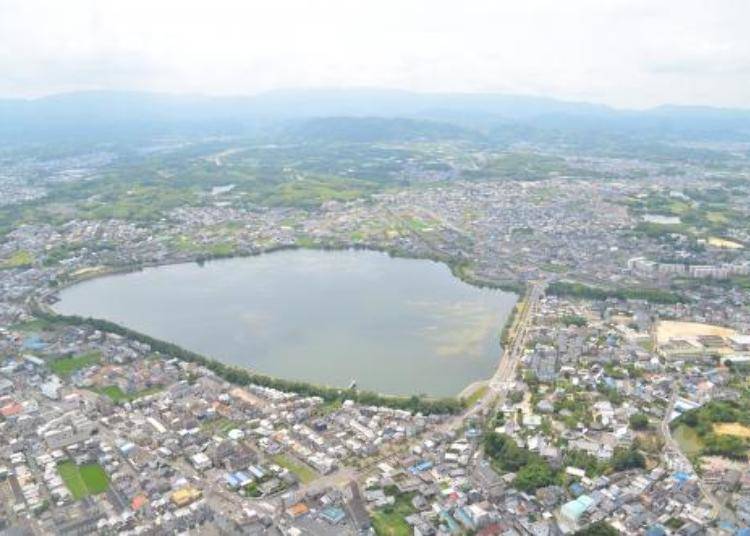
725	445
600	528
627	458
534	475
573	320
505	451
639	421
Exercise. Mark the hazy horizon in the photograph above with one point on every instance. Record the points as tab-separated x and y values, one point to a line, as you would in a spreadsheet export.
625	54
365	89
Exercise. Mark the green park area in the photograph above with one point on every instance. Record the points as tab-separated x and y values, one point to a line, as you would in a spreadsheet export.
390	520
718	428
65	366
83	480
19	259
533	472
117	395
476	395
304	473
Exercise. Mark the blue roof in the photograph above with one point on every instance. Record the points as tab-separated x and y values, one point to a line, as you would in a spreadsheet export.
242	477
576	489
34	342
655	530
333	514
575	509
419	467
743	532
461	515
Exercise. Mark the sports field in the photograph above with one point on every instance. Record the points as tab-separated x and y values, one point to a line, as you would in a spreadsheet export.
667	330
83	480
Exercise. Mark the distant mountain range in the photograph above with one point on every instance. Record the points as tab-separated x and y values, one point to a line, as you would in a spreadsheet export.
294	112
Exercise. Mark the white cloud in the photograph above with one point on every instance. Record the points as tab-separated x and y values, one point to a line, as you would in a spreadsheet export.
622	52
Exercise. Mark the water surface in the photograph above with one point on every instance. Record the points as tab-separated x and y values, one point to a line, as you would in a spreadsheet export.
397	326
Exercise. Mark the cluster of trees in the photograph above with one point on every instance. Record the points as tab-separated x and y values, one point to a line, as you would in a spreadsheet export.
579	290
588	462
533	472
600	528
657	230
725	445
625	458
704	417
241	376
702	420
639	421
579	412
611	393
573	320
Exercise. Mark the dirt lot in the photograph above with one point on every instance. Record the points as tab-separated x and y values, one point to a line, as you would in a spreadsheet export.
722	243
670	329
732	428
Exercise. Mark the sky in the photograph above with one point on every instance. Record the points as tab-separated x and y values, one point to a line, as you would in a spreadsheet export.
625	53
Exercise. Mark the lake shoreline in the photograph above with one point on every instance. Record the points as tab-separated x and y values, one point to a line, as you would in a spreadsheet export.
455	268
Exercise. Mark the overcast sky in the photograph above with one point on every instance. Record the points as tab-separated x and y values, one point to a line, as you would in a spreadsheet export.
628	53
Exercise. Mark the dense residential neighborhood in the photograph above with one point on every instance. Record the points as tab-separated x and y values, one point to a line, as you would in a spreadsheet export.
620	402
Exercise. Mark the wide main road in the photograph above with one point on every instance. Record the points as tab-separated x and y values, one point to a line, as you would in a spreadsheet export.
498	387
505	375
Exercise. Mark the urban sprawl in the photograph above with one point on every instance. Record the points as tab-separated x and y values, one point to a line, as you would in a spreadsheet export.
621	400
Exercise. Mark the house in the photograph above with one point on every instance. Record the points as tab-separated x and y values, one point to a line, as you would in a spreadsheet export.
200	461
573	511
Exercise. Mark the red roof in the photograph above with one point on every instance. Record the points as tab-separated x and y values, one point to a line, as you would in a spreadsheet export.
14	408
139	501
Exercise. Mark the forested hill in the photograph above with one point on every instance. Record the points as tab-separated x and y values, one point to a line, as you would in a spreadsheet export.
121	114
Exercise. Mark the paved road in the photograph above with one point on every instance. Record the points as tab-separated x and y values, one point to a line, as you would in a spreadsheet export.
505	375
498	387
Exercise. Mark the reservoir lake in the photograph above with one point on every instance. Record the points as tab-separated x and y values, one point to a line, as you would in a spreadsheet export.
396	326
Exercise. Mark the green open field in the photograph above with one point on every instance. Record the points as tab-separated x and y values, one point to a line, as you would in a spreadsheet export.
689	441
220	426
476	395
65	366
84	480
389	521
118	395
19	259
31	326
304	473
